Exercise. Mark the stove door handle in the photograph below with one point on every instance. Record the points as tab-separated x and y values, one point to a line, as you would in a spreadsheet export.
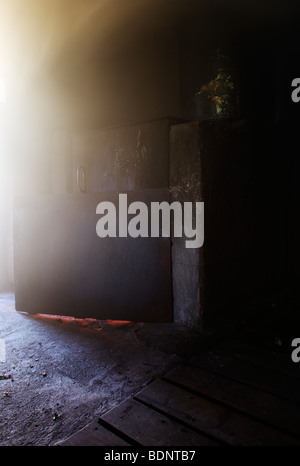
81	179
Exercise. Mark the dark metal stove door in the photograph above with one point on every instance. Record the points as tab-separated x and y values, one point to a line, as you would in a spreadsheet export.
62	267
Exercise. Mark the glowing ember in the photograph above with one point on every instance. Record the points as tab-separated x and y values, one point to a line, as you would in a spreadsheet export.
87	322
117	323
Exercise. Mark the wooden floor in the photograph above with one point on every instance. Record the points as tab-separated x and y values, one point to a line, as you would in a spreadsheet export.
237	394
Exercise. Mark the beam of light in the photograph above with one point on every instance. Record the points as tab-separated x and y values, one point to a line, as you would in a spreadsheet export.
74	65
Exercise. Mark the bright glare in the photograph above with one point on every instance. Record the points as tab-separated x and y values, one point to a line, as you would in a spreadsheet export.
2	91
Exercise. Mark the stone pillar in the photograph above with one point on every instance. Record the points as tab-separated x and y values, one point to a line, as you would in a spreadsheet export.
186	186
212	162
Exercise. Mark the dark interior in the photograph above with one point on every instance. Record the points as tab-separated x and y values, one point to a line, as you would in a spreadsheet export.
165	101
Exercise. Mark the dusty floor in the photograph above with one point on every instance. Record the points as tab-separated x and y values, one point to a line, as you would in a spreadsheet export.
59	375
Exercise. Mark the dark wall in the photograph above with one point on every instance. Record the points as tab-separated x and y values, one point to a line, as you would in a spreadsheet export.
146	60
250	169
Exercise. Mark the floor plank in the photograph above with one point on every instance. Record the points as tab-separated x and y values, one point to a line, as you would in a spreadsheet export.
218	421
150	428
93	435
271	359
235	394
269	408
249	373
